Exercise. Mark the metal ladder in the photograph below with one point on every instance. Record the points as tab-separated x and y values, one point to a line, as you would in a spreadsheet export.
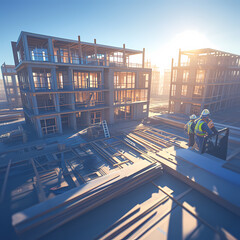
105	129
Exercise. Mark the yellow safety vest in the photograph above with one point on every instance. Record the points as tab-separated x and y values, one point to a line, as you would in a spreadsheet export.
198	128
189	124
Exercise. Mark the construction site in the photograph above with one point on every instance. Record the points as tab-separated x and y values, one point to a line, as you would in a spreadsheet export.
131	180
85	155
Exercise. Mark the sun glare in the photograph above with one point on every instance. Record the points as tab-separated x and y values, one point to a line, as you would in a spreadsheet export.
190	40
187	40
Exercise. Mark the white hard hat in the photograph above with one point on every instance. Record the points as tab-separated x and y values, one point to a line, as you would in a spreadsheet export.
193	117
205	113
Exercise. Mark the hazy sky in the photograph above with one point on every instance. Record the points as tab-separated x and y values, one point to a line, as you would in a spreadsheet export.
161	26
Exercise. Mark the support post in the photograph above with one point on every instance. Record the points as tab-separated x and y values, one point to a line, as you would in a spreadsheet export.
170	91
95	50
179	57
143	58
124	55
50	50
80	50
25	46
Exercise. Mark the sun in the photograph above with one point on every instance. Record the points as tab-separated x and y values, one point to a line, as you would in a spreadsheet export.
186	40
189	40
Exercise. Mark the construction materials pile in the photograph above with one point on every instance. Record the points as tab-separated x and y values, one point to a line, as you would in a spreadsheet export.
40	219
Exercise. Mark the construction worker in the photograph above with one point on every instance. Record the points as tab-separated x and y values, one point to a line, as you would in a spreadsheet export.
189	127
204	127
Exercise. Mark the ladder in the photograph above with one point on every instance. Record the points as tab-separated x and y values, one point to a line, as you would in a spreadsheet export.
105	129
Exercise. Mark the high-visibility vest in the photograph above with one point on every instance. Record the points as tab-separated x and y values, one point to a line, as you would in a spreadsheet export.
189	124
198	128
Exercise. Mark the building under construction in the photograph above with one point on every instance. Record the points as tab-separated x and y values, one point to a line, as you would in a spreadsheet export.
68	84
204	78
11	86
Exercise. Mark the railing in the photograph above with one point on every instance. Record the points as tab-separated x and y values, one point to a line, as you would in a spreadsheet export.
38	57
43	86
49	130
88	104
218	145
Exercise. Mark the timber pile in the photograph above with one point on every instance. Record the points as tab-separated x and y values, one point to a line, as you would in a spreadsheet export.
37	221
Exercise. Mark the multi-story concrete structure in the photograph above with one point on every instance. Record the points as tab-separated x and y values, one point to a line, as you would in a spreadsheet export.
68	84
11	86
204	78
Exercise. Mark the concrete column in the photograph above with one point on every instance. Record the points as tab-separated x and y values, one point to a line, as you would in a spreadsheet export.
15	56
59	123
50	50
26	49
137	80
38	127
170	92
73	121
70	78
80	50
111	95
149	91
143	58
95	50
102	79
179	57
56	102
124	55
30	79
35	105
54	79
69	55
72	101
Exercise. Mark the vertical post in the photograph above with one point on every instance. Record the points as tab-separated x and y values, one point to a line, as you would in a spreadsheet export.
54	85
143	58
30	77
179	58
35	105
56	102
59	123
124	55
50	50
25	46
149	92
95	50
15	56
79	50
38	127
170	92
69	55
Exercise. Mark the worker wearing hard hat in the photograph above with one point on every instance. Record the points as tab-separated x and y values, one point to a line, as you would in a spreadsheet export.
189	127
204	127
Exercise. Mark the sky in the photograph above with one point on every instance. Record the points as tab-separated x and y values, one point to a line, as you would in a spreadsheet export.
159	26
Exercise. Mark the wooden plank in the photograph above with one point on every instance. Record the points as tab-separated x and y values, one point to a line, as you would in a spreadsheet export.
70	170
5	181
41	194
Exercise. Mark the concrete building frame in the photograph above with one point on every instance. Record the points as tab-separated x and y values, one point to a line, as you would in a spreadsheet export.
70	84
204	78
